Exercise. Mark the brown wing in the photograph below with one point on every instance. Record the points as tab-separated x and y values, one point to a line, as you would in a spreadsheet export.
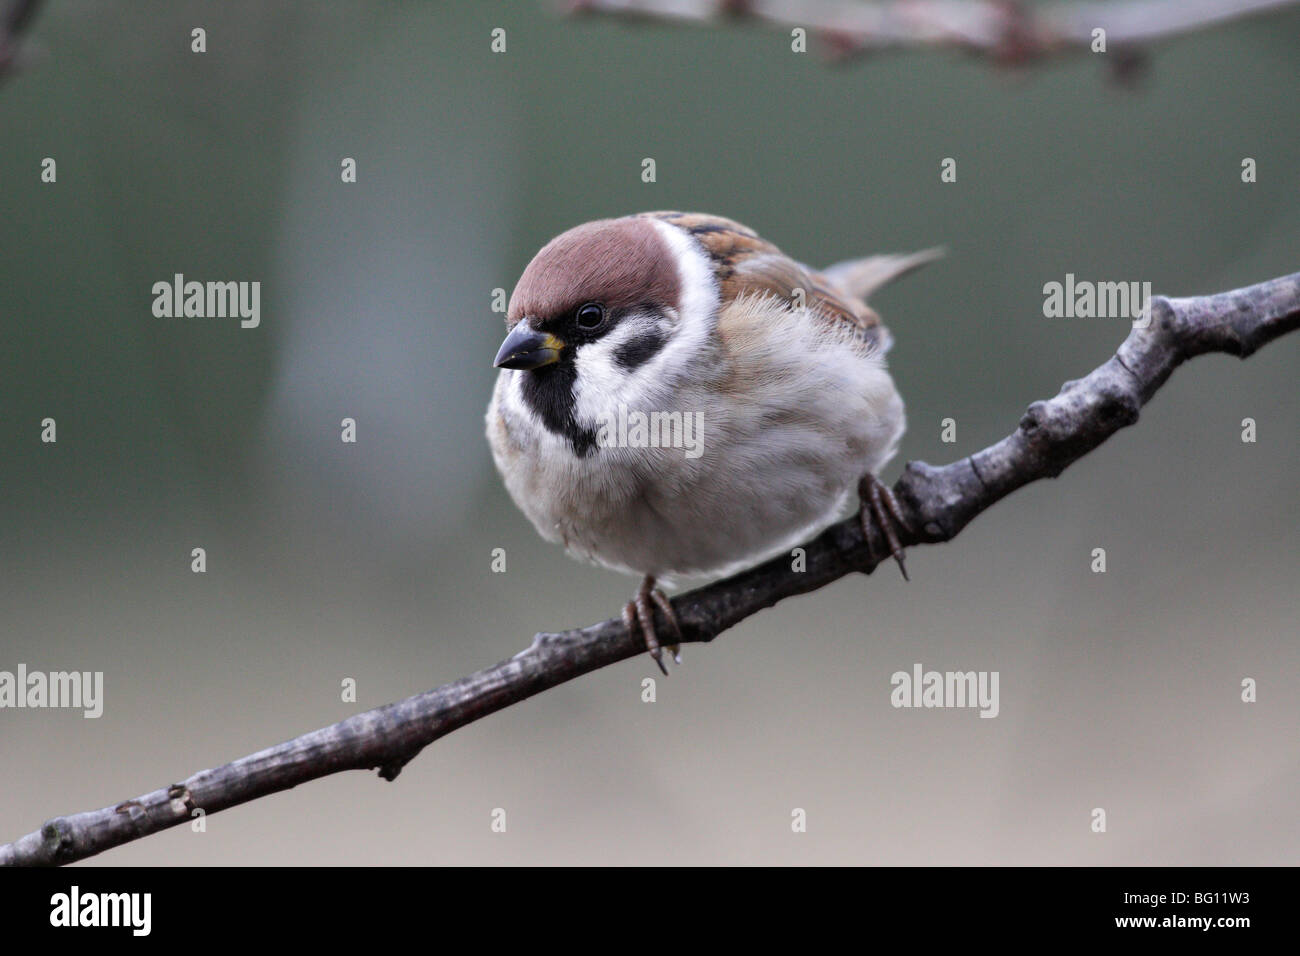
744	262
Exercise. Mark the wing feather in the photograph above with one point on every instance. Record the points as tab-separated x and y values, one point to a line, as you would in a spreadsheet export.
747	264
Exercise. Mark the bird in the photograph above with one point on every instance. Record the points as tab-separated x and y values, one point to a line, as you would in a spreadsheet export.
677	398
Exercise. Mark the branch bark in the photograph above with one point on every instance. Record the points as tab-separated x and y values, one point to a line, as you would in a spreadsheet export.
1006	31
938	502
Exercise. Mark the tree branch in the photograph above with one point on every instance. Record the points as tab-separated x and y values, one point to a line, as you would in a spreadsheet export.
938	503
1006	31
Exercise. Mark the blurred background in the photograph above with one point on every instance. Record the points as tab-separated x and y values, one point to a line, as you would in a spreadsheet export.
371	561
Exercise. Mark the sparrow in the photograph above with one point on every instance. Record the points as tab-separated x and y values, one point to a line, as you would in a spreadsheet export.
695	319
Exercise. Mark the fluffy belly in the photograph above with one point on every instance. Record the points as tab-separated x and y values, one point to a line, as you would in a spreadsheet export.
723	527
743	501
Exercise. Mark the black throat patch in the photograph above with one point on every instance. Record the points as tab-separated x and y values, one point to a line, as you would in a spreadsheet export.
548	391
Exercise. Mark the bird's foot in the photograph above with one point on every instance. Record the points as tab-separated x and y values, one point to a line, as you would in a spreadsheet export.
639	613
880	510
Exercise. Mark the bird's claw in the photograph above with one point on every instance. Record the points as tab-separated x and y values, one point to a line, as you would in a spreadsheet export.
879	503
638	614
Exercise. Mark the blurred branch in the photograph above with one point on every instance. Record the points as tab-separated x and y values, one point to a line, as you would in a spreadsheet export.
14	19
937	502
1006	31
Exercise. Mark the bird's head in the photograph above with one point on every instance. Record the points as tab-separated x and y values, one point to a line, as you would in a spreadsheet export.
594	318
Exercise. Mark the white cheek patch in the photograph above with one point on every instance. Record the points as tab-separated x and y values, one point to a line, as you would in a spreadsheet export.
603	382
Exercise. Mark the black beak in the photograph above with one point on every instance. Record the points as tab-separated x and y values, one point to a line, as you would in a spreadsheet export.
526	349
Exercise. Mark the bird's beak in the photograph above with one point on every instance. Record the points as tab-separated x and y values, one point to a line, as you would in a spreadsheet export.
525	349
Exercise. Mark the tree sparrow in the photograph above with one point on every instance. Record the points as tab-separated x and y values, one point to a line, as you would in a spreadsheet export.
626	334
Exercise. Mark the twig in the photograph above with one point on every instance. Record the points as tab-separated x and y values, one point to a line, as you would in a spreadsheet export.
1006	31
938	503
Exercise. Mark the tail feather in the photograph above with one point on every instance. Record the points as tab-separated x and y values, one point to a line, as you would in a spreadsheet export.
862	277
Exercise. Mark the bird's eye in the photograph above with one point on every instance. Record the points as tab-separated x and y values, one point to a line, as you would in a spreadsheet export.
591	316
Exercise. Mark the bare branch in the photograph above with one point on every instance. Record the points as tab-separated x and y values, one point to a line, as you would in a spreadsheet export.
1007	31
938	502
